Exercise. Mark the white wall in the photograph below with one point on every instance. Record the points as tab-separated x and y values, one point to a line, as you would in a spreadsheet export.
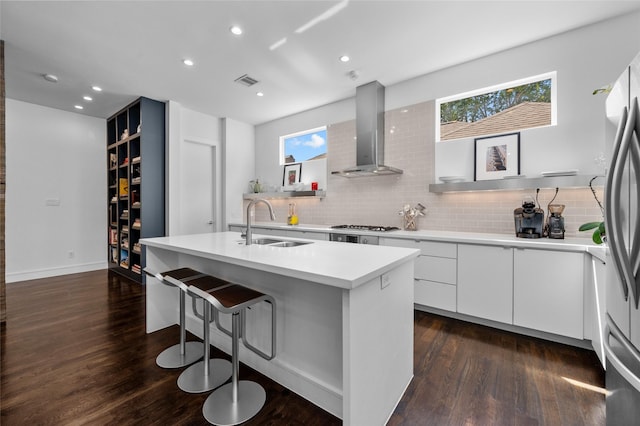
54	155
268	168
239	166
585	59
187	127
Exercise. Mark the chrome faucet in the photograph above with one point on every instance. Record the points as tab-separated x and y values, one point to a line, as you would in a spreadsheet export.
252	203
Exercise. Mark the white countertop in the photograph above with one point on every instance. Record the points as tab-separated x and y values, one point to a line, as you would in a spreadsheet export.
331	263
567	244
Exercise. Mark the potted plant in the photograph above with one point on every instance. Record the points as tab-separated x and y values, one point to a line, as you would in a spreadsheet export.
599	235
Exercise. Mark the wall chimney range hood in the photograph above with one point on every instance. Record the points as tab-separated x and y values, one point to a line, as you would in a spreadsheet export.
369	134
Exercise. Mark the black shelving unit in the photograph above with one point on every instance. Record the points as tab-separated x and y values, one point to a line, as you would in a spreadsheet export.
135	178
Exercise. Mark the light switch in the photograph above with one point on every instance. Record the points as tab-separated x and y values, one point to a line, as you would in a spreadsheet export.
54	202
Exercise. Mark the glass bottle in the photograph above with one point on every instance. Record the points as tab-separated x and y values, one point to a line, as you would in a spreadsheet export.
292	217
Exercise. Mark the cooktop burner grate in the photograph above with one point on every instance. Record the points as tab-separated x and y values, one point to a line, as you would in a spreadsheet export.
367	228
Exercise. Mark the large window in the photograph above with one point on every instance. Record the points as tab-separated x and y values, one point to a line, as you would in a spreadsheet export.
303	146
498	109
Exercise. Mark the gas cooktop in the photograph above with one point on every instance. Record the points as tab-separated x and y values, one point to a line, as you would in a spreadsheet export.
367	228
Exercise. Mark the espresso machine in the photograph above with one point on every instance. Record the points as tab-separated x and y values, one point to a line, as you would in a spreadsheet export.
529	219
555	221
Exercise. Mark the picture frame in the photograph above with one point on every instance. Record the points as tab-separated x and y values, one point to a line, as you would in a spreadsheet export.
291	176
497	157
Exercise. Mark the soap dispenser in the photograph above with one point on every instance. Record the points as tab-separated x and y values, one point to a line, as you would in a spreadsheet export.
292	217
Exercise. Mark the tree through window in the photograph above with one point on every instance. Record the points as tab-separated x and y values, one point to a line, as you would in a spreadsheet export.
505	108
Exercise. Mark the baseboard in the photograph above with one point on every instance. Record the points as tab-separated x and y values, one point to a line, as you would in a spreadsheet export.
54	272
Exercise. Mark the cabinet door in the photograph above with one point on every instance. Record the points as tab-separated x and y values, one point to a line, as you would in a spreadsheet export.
548	291
485	282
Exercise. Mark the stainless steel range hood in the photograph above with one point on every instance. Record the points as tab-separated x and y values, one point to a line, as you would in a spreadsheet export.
369	134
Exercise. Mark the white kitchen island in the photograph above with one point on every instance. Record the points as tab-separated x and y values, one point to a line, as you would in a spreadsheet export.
344	315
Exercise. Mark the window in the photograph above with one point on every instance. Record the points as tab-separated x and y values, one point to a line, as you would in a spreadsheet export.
303	146
503	108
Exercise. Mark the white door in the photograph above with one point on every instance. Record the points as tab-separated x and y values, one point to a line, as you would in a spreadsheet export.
197	188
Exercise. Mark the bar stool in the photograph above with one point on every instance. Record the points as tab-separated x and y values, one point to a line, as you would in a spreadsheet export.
238	401
183	353
208	373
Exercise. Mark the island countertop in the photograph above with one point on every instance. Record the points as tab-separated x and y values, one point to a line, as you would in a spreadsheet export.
346	266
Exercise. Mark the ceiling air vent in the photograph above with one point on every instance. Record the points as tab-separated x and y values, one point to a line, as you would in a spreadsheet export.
245	80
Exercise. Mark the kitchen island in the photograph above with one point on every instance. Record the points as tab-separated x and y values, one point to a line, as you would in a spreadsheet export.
344	315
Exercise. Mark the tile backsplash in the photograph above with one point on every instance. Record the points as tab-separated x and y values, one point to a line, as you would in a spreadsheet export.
410	146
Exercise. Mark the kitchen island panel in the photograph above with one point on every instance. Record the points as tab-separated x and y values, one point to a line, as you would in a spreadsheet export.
378	342
348	350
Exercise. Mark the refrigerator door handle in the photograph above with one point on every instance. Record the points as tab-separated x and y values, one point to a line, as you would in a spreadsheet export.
620	367
612	217
635	241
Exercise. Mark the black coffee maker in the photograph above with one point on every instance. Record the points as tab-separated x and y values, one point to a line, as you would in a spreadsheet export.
529	219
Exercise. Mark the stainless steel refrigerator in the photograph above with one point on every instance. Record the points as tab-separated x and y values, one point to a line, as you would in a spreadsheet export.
622	335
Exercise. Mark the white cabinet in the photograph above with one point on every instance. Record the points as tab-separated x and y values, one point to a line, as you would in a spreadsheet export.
485	282
548	291
435	272
595	304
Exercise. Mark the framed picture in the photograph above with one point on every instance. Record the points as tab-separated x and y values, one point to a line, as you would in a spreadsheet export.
497	156
291	176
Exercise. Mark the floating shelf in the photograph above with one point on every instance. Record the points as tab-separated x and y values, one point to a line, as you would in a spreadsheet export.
578	181
284	194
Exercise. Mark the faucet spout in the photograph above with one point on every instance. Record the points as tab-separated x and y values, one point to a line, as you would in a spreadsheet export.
252	203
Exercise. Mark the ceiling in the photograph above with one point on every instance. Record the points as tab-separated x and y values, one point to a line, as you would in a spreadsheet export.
136	48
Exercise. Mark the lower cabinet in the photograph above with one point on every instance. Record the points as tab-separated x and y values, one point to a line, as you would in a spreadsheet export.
485	282
548	291
435	273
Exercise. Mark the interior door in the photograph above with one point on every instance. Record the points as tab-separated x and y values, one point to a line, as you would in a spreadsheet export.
197	188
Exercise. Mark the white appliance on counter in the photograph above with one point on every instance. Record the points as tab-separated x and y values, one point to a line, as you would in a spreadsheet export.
622	336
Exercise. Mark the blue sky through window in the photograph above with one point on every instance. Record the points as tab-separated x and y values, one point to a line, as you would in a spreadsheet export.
305	146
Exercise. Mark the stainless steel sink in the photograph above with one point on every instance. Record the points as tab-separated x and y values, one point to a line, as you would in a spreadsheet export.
272	242
290	243
263	241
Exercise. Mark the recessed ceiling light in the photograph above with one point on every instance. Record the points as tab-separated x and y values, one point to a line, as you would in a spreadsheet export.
344	58
97	88
235	30
188	62
260	94
87	98
78	107
50	77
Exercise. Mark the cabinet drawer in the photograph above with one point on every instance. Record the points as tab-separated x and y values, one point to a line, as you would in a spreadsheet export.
438	269
436	295
428	248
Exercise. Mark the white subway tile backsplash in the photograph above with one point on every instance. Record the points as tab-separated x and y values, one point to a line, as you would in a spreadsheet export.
411	147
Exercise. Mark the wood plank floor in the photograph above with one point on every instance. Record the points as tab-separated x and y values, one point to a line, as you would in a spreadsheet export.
74	352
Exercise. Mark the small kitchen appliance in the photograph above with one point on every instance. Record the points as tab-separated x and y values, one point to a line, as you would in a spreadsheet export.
529	219
555	221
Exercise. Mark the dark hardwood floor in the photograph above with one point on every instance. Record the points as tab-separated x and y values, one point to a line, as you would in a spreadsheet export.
74	351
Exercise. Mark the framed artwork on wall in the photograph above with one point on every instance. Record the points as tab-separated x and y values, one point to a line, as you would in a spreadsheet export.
497	157
291	176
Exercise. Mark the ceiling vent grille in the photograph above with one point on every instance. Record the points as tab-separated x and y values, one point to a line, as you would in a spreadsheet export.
245	80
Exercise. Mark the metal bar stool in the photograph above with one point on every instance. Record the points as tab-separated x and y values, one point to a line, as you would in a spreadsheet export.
238	401
183	353
208	373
